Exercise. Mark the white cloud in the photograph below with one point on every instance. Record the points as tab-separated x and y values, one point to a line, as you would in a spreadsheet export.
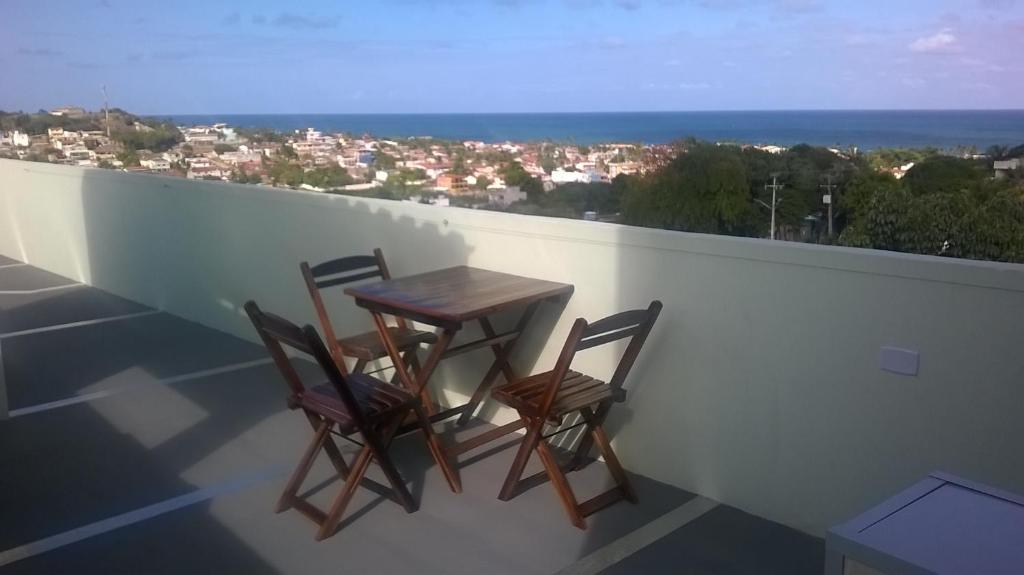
943	41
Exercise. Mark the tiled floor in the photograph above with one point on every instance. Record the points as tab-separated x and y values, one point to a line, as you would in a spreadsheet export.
143	443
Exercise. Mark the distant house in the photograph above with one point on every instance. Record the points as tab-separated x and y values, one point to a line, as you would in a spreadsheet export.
156	164
561	176
899	171
206	173
505	197
20	139
69	112
1003	167
365	157
454	183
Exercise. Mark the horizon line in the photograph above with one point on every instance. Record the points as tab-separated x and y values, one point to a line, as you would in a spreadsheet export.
521	113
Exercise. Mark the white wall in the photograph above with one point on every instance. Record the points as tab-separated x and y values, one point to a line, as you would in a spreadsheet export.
760	386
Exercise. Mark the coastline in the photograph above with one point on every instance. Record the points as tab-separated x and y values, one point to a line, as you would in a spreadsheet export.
864	129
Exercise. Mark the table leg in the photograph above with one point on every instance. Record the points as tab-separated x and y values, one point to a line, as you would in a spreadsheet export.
418	386
500	364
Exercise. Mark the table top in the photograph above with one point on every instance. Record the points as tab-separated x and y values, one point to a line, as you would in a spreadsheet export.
455	294
943	524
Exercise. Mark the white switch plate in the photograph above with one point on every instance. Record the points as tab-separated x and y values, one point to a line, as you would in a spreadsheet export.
898	360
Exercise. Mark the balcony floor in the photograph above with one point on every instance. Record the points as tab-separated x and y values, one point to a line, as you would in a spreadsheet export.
142	443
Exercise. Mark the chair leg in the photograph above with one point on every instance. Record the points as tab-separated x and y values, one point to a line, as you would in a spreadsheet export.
360	366
330	447
379	450
305	464
558	479
437	451
612	462
334	514
582	456
526	447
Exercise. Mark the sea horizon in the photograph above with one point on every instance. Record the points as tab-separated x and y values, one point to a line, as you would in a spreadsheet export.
864	129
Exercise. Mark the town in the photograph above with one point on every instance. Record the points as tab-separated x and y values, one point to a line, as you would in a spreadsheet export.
803	193
421	169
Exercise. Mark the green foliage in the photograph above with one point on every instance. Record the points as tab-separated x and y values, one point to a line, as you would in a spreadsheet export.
885	158
949	208
160	138
283	172
36	124
261	135
482	182
223	148
128	157
703	190
572	200
241	177
383	161
515	175
327	177
944	174
287	152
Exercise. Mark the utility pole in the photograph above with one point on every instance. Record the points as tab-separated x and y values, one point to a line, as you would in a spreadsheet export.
827	199
775	186
106	110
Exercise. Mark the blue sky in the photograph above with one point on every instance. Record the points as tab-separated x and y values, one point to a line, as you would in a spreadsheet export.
512	55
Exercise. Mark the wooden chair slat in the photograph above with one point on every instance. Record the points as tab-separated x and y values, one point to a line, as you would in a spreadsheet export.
342	265
607	337
348	279
618	321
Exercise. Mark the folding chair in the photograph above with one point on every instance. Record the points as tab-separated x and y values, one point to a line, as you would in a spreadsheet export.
365	347
547	398
345	405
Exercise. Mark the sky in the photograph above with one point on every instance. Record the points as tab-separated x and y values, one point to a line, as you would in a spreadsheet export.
393	56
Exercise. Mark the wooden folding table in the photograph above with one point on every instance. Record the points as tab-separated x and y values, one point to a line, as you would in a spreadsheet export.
448	299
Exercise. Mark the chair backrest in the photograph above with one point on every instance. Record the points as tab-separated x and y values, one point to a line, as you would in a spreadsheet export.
338	272
633	324
277	332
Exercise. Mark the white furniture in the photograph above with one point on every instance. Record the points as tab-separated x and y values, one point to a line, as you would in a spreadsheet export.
943	524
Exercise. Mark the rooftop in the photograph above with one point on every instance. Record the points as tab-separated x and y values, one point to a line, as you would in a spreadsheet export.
148	432
148	443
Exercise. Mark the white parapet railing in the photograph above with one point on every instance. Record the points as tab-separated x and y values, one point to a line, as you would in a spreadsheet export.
761	386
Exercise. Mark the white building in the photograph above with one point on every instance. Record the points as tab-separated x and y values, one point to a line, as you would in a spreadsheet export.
1003	166
505	197
560	176
156	164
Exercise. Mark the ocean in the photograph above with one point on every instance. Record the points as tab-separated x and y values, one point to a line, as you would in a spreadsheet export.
864	129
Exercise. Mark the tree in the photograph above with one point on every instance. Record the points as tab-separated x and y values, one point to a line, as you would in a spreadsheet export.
288	152
947	209
515	175
327	177
944	174
223	148
128	157
703	190
384	161
282	172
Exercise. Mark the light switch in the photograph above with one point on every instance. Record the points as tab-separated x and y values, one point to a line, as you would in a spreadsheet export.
897	360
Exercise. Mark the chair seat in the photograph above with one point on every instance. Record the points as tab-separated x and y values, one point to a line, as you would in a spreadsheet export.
368	345
374	396
575	392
